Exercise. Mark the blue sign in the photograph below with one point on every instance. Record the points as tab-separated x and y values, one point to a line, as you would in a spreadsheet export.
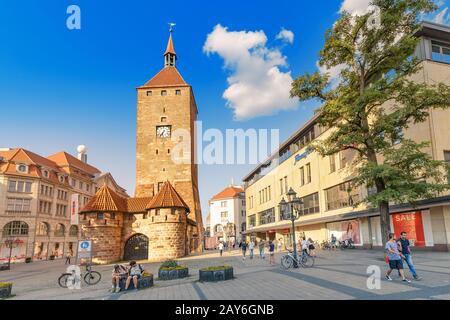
303	155
84	245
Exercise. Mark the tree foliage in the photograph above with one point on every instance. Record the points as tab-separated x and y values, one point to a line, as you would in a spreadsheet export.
376	99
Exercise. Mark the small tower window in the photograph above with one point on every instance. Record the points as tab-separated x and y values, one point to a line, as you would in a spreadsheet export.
168	151
149	93
164	92
157	151
178	92
164	110
163	119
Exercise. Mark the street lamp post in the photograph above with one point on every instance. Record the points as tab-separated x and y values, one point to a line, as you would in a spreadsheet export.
290	211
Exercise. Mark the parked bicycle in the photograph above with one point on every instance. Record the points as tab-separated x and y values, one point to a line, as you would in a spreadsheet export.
303	259
347	244
325	245
90	278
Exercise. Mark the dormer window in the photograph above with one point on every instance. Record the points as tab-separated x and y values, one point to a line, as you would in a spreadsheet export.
22	168
61	179
46	174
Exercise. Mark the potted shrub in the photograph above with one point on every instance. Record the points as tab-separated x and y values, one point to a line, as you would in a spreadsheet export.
219	273
5	289
170	270
28	260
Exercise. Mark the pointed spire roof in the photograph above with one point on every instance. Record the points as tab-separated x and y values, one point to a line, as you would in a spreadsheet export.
167	197
106	200
170	49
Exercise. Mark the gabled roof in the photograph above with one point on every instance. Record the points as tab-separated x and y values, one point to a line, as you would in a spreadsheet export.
64	159
167	197
227	193
106	200
12	157
168	76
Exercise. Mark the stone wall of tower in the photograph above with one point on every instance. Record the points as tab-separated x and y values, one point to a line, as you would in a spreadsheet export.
106	236
167	234
154	162
166	230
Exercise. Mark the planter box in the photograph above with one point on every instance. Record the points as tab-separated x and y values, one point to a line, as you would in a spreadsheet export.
143	282
28	260
173	274
4	267
216	275
5	291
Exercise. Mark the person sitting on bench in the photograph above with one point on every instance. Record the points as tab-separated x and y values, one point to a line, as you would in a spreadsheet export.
134	273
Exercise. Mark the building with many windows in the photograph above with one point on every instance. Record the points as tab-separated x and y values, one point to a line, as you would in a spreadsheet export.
39	202
227	215
323	183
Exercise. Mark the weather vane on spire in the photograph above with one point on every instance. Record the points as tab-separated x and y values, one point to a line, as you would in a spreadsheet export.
171	25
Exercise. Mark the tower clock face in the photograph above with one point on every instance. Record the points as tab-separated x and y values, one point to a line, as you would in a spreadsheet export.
163	132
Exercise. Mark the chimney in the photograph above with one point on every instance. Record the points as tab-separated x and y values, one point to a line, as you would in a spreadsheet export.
82	153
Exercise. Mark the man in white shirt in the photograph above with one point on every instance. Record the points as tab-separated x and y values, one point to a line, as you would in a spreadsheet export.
221	248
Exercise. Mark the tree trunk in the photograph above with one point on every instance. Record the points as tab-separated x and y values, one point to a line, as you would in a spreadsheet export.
384	221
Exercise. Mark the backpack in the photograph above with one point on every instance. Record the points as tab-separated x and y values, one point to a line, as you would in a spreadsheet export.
141	268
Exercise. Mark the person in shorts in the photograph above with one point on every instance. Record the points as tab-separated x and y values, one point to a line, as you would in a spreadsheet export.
118	273
134	273
395	258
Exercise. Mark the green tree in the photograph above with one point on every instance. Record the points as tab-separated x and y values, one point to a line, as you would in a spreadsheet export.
375	101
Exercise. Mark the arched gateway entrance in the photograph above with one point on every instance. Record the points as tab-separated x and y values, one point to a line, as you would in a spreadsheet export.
136	248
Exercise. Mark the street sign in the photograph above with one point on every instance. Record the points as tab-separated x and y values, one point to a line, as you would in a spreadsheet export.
85	249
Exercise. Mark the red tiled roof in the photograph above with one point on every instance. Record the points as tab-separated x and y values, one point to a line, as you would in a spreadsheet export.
230	192
106	200
170	48
167	197
64	159
168	76
136	205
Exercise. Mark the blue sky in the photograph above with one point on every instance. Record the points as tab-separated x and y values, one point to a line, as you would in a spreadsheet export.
60	88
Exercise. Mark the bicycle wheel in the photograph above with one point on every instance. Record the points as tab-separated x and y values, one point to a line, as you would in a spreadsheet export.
92	278
62	280
307	261
286	262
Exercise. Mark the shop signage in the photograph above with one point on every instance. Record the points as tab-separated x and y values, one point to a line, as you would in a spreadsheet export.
412	224
303	155
74	208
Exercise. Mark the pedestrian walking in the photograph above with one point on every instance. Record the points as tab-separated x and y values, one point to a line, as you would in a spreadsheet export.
251	247
271	253
244	249
395	258
311	248
405	249
262	247
68	257
221	248
280	245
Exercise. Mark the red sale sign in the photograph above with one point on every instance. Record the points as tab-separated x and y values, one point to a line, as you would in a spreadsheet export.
411	223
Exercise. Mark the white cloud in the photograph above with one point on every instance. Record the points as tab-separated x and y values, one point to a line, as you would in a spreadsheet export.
442	17
286	35
257	86
355	7
334	73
